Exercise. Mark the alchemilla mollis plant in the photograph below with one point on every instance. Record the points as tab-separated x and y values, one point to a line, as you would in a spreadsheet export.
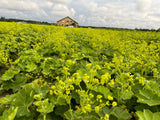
60	73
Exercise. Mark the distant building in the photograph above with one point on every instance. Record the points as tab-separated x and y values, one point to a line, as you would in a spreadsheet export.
68	22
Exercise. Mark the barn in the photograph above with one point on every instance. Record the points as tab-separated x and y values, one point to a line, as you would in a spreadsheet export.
68	22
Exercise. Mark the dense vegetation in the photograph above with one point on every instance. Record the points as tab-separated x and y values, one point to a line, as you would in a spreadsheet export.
24	21
56	73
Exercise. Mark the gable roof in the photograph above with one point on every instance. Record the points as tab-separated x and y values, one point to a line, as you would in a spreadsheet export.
67	17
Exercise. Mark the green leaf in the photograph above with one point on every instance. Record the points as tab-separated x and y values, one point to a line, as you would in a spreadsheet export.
104	110
91	117
47	65
60	110
52	98
127	94
19	80
148	115
25	118
148	97
44	90
8	99
61	101
120	113
68	115
75	95
23	100
44	106
9	114
31	67
9	74
104	90
2	108
34	85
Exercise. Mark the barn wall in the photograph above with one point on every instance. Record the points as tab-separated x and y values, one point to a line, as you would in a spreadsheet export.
67	22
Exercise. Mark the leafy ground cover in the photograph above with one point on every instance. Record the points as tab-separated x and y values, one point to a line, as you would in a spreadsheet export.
57	73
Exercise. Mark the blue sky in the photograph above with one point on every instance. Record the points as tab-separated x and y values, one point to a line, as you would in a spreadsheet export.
107	13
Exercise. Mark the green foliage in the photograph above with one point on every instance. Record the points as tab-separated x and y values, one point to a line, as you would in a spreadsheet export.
148	115
23	100
148	97
118	112
10	74
44	106
49	72
7	99
9	114
104	90
17	83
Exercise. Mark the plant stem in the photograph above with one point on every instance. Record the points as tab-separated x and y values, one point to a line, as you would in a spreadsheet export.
44	117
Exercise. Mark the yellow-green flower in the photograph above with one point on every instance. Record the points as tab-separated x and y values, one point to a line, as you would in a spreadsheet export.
97	67
67	92
107	103
85	77
53	87
71	87
111	83
99	96
114	104
110	97
106	117
97	108
88	107
88	65
91	95
51	92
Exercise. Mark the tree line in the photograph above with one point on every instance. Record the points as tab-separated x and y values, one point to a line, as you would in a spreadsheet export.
24	21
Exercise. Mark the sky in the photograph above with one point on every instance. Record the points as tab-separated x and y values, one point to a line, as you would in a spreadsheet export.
104	13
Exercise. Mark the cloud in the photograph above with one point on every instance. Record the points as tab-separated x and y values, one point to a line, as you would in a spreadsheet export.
48	4
61	10
143	5
19	5
61	1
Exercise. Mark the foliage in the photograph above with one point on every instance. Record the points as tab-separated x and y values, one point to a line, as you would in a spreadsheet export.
148	115
61	73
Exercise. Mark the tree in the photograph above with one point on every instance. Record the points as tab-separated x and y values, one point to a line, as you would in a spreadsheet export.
3	19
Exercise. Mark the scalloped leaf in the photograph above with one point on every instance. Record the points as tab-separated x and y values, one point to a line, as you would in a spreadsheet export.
104	90
9	114
148	115
148	97
120	113
10	74
8	99
23	100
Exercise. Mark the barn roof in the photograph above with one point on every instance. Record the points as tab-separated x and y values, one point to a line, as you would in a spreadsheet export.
67	17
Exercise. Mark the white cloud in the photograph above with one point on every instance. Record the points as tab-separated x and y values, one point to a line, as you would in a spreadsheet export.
61	10
143	5
91	6
61	1
48	4
19	5
82	18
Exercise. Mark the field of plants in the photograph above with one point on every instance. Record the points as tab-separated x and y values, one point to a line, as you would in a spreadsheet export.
60	73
